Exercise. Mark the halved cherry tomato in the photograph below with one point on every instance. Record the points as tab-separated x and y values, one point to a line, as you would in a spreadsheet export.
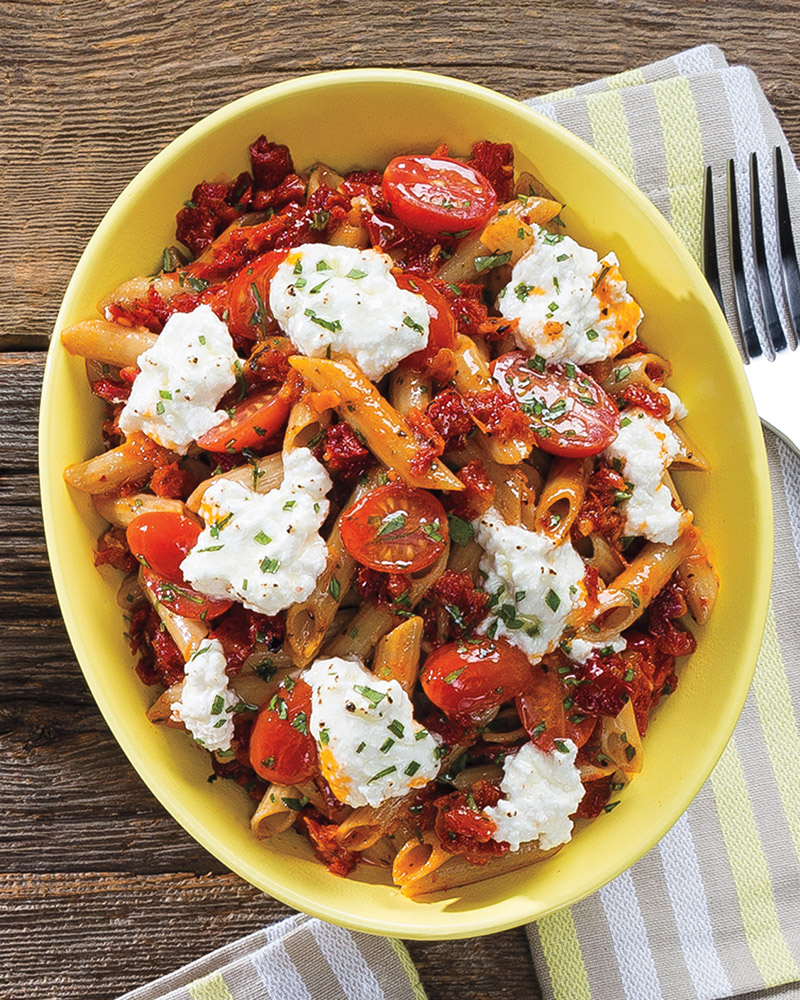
255	421
248	295
465	678
281	747
182	600
395	528
569	412
442	328
161	540
547	712
434	194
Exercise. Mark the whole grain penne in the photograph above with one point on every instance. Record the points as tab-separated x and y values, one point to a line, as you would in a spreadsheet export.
397	654
276	811
109	470
107	342
409	390
385	431
186	633
562	496
120	511
261	475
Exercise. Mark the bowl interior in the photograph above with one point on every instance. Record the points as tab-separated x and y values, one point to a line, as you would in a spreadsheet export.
361	119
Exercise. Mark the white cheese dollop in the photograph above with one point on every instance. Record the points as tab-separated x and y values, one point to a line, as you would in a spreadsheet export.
540	792
580	650
562	317
183	377
206	703
341	300
264	550
534	584
643	450
370	747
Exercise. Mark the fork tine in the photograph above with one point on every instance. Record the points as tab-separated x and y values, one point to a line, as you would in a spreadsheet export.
710	259
749	335
789	265
771	318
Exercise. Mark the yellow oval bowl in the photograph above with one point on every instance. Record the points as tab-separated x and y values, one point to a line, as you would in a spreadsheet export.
361	119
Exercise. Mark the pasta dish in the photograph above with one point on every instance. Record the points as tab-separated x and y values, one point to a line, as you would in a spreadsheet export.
388	479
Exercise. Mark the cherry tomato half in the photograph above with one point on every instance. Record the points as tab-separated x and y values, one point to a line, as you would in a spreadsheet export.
442	324
465	678
434	194
570	413
395	528
161	540
248	295
255	421
281	748
547	714
182	600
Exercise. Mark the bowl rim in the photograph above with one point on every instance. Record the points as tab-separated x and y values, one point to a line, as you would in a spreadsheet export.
468	924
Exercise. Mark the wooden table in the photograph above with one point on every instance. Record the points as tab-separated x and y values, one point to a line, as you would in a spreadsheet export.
100	890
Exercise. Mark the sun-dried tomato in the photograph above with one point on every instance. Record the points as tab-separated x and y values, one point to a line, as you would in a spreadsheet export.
366	184
599	513
270	162
635	347
499	413
212	208
161	661
313	222
418	249
463	828
450	418
269	362
291	189
386	589
495	160
173	481
322	835
453	607
654	403
112	550
430	443
239	629
110	390
601	689
344	453
478	495
152	311
595	799
666	606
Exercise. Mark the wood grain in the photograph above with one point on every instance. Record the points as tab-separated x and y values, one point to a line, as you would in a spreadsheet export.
91	90
100	890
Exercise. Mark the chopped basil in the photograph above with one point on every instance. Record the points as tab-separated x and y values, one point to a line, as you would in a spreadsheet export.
561	746
382	774
218	705
461	531
396	727
300	723
372	696
198	284
387	745
609	806
409	322
592	334
522	291
491	260
269	565
622	373
324	736
329	324
262	538
433	531
633	596
552	600
321	219
391	524
412	768
355	274
295	804
335	588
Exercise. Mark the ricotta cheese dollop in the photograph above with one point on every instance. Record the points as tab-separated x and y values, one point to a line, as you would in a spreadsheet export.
263	550
533	584
643	450
370	747
570	305
206	703
580	650
540	792
183	377
340	300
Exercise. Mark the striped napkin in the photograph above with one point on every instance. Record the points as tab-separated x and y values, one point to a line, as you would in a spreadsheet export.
300	958
714	909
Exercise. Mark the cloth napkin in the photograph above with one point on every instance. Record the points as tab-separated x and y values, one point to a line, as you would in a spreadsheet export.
714	909
300	958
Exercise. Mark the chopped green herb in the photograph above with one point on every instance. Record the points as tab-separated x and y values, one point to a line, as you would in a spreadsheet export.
335	588
372	696
382	774
622	373
522	291
320	219
396	727
420	734
295	804
635	601
461	531
269	565
387	745
262	538
609	806
562	257
218	705
592	334
536	363
412	768
391	524
561	746
300	723
417	327
552	600
488	261
198	284
329	324
433	531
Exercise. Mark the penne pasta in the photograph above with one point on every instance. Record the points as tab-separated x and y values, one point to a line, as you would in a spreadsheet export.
385	431
112	469
187	634
562	496
397	654
276	811
409	390
260	475
700	581
107	342
120	511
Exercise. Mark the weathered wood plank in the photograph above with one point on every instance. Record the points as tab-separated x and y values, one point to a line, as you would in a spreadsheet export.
82	118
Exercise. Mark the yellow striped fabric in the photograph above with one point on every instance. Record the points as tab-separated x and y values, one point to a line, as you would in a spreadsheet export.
562	951
210	988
